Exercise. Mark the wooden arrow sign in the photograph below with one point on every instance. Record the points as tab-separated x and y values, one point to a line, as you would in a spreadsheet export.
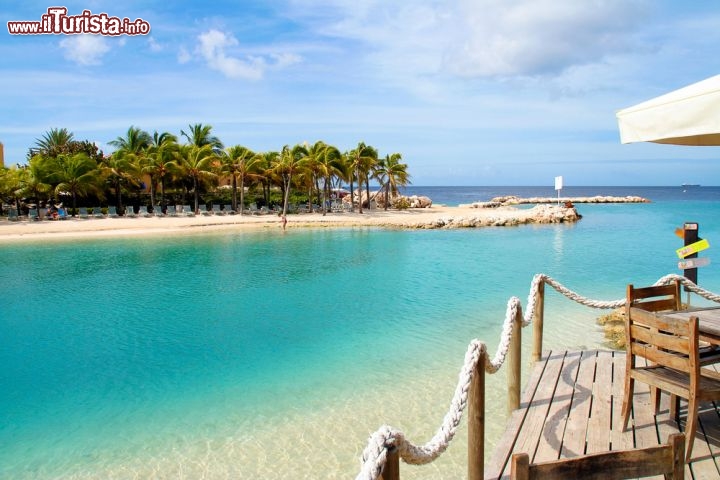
692	248
693	263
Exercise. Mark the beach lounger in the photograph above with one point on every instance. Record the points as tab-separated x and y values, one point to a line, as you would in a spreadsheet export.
217	210
97	212
82	212
33	214
143	211
187	211
112	212
204	210
157	210
130	211
13	215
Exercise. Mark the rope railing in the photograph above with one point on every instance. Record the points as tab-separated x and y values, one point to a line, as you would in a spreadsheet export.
388	439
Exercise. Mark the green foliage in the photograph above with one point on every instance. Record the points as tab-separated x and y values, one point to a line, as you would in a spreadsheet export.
402	203
159	165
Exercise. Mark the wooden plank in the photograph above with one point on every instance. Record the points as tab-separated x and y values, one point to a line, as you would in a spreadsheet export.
643	417
619	440
598	438
576	429
620	464
667	426
703	464
532	429
558	392
550	442
500	459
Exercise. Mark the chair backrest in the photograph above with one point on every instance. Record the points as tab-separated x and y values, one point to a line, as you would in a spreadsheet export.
663	341
656	298
668	460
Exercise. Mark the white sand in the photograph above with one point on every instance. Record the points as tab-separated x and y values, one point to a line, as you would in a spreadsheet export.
434	217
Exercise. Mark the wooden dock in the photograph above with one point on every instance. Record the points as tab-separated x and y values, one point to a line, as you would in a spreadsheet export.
571	407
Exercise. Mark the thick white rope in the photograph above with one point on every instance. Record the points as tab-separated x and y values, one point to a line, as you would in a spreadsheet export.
374	456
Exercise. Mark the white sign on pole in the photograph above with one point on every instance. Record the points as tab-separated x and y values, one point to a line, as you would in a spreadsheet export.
558	186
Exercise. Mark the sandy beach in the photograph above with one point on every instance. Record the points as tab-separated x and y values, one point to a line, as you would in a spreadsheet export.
425	218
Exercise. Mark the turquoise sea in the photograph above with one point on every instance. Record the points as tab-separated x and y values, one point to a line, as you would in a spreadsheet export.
240	355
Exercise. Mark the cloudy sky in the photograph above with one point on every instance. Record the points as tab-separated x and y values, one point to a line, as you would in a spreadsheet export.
470	92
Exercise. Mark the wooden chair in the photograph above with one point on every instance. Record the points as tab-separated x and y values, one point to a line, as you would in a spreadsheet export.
656	298
661	298
665	460
670	347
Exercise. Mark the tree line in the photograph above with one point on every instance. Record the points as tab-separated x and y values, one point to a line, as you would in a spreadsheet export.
60	165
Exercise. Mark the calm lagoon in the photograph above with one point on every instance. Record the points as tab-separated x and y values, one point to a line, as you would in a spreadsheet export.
262	353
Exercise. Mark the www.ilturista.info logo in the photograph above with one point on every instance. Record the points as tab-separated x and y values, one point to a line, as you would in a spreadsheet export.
57	22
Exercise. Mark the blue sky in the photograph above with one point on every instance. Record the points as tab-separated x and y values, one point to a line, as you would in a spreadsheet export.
483	92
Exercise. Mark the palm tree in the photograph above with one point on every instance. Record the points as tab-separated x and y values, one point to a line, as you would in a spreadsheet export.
77	174
12	184
267	174
199	135
120	169
328	165
133	150
34	179
392	174
286	165
135	141
240	163
196	163
361	159
53	142
158	163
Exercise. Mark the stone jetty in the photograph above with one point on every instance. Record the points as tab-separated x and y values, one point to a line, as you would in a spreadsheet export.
502	217
514	200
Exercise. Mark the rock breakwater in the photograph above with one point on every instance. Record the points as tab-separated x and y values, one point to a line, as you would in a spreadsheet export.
503	217
514	200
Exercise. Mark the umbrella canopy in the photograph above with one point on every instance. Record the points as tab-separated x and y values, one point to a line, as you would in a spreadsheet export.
688	116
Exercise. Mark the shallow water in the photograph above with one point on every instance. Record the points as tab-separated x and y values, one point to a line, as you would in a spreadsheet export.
240	355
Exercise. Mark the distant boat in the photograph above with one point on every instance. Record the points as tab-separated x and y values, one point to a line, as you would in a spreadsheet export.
690	185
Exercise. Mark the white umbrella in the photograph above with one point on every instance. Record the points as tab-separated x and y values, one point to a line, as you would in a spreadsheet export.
688	116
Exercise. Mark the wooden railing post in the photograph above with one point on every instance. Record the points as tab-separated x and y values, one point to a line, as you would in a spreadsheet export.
538	323
391	470
476	421
514	361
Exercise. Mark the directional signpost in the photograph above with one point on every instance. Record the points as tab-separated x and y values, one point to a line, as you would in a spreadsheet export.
688	254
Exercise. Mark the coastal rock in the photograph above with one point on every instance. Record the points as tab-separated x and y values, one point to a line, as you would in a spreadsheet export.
515	200
510	217
378	197
419	201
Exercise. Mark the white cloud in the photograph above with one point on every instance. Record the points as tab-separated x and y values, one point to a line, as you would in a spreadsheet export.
480	38
507	38
213	44
213	48
183	55
154	45
85	49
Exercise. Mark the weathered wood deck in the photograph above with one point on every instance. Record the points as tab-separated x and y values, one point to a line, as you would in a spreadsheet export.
571	406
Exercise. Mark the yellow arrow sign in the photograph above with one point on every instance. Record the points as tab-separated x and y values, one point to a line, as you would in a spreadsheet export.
692	248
